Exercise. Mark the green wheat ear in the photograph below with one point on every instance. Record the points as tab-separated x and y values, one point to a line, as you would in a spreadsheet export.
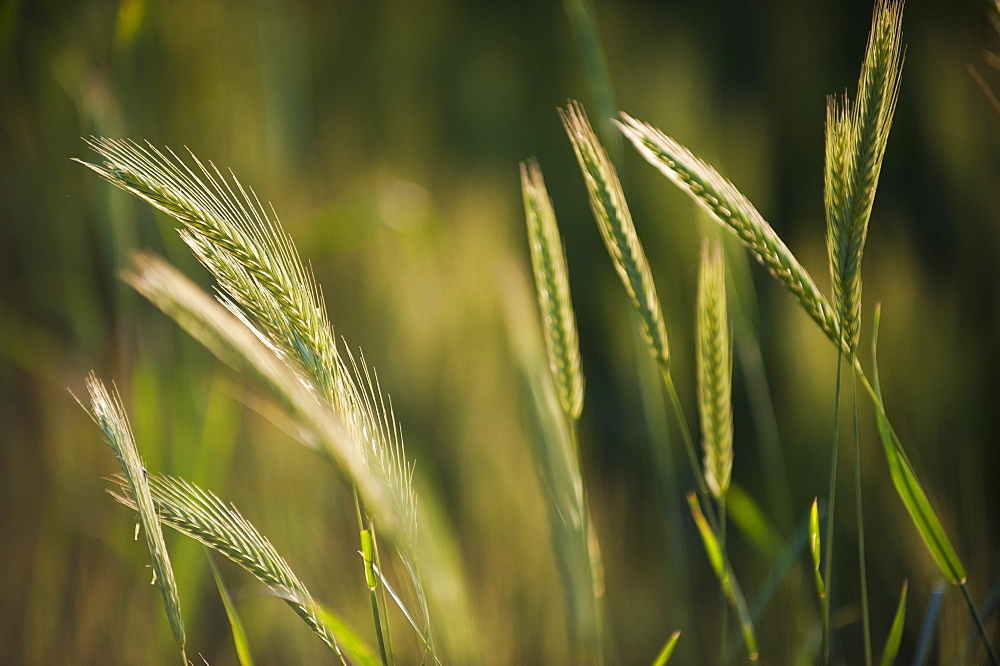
733	211
552	286
107	411
607	201
856	137
201	515
715	371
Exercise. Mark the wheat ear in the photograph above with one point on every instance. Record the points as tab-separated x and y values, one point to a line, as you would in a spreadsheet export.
201	515
715	371
855	145
607	201
107	411
552	285
732	210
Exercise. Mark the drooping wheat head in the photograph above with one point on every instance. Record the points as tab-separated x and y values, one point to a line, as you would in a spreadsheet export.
107	411
733	211
265	283
254	261
552	285
607	201
715	370
201	515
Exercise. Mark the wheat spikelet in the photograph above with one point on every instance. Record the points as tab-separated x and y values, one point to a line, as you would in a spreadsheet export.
715	371
552	285
107	411
732	210
615	222
856	142
201	515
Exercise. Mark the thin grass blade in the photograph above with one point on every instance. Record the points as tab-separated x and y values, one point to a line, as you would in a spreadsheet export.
668	649
895	636
814	547
727	580
107	411
908	487
607	201
235	622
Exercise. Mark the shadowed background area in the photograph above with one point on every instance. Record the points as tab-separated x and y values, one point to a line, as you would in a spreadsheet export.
387	136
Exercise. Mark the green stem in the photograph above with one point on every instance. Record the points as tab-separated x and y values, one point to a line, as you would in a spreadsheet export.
828	564
382	599
724	605
707	507
376	613
865	621
590	547
980	627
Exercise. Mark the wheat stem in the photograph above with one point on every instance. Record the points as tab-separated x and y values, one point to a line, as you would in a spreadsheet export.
865	620
831	504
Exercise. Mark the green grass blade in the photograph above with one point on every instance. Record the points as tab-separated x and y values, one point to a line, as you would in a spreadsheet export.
607	201
107	411
727	580
715	371
908	487
815	549
235	623
668	650
552	286
895	632
726	205
357	650
752	522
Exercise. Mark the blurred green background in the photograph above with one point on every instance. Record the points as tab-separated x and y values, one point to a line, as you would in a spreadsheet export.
387	135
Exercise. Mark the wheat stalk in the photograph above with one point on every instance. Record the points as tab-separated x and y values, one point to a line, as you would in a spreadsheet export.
715	370
552	285
107	411
732	210
201	515
607	201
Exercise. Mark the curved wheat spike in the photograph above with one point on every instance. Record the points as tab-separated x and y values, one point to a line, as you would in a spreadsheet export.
715	371
254	261
607	201
552	285
107	411
732	210
201	515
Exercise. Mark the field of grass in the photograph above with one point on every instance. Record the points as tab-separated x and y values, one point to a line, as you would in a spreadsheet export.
617	379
